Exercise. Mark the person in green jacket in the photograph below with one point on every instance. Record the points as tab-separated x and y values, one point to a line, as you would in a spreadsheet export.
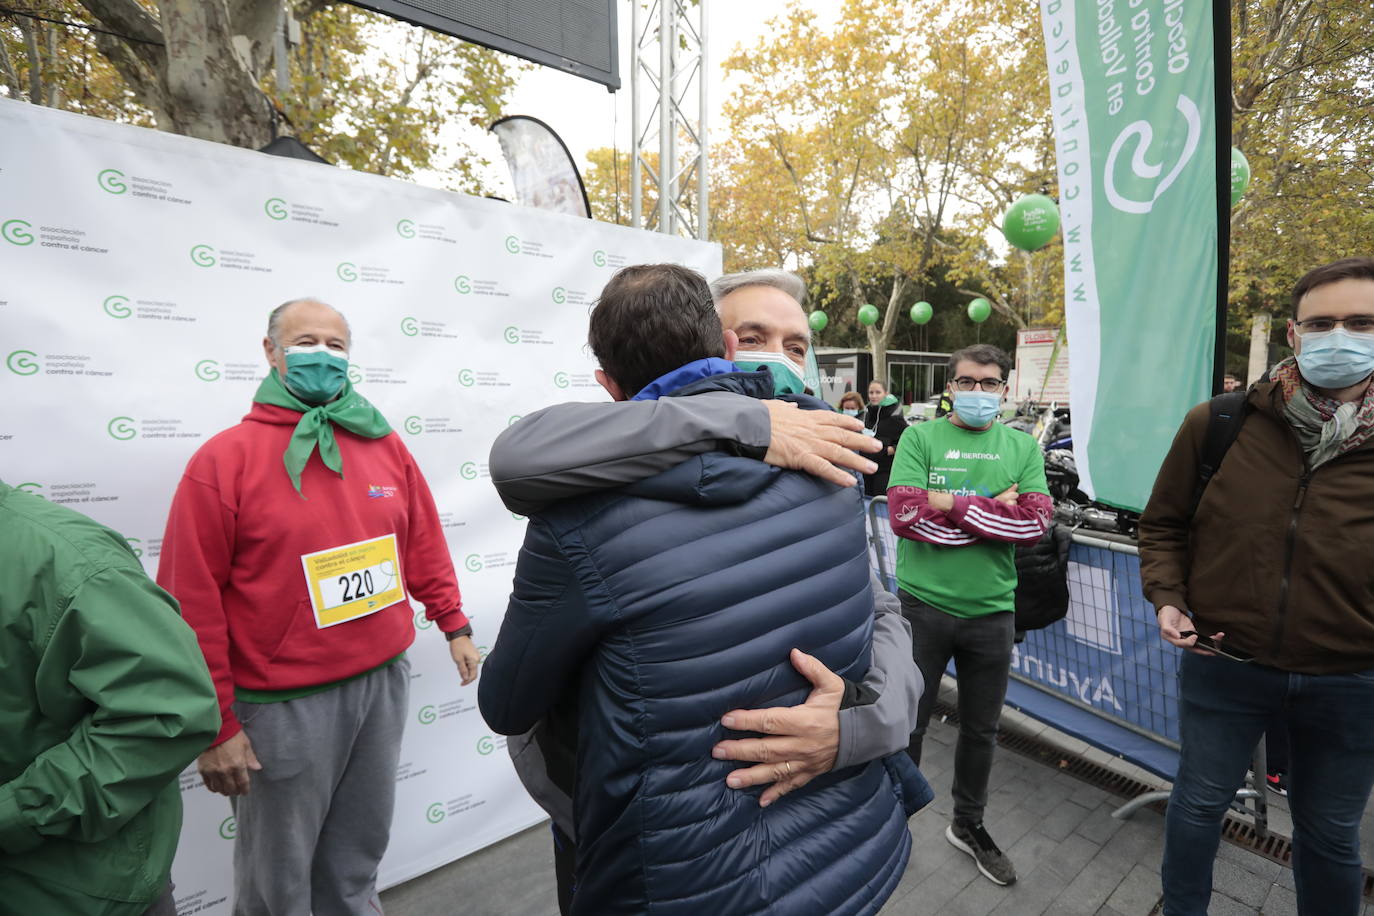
104	699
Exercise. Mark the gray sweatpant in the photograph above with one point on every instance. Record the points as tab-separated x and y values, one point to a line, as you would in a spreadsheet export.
316	820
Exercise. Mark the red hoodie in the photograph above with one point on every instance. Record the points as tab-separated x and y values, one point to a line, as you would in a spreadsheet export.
235	537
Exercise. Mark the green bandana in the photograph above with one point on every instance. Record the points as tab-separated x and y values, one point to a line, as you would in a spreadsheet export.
350	410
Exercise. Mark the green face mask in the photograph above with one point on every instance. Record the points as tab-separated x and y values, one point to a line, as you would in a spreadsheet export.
315	374
787	375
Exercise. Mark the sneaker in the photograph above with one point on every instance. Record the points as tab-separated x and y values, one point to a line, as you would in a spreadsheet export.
991	861
1277	782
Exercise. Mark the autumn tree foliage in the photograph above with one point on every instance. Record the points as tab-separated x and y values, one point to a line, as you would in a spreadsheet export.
365	91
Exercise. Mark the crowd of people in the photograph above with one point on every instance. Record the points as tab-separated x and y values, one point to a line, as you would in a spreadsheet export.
707	689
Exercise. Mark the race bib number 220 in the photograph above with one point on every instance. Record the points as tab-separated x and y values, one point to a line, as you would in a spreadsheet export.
354	580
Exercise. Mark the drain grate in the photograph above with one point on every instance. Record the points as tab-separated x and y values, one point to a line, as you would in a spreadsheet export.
1273	847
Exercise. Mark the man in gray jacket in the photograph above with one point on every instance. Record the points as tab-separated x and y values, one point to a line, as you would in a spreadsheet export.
569	450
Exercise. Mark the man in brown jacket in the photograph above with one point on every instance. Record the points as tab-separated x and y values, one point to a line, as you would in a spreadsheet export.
1272	571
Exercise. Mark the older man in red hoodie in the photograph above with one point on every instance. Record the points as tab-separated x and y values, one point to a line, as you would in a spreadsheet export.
295	578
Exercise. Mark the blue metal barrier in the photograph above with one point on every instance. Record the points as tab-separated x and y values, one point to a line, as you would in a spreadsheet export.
1102	674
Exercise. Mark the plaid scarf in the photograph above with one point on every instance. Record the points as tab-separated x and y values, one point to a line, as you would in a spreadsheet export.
1324	426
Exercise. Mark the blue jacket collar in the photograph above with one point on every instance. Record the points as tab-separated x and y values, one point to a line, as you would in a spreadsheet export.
694	371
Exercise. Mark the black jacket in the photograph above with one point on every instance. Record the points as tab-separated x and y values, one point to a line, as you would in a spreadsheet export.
888	424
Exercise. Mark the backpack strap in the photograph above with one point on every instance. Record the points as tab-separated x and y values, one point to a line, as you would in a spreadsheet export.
1227	415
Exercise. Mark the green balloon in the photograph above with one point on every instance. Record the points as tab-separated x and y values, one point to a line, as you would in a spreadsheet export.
1240	175
979	310
921	312
1031	222
818	320
869	314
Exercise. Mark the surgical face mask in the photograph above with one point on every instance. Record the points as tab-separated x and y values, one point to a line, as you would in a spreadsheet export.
850	412
1336	358
787	372
976	408
315	374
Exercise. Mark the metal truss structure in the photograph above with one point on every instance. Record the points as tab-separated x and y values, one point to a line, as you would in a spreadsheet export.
668	98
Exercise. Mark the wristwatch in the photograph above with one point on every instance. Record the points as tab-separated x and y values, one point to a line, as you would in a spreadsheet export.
464	630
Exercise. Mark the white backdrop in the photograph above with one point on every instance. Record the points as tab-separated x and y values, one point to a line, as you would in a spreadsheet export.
136	273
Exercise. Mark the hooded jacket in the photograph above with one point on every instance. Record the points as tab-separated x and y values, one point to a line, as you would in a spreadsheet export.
1276	556
888	424
662	606
104	699
237	531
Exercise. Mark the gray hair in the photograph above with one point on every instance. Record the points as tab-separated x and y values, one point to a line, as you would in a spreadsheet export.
274	319
784	280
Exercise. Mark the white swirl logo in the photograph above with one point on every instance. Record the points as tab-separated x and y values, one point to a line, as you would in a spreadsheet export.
1143	133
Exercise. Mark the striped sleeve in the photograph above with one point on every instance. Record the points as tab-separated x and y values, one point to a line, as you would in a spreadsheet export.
912	517
993	520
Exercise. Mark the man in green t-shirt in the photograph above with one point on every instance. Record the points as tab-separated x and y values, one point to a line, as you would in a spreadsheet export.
964	490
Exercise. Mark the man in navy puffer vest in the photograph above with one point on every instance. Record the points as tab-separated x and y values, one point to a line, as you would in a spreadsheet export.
641	616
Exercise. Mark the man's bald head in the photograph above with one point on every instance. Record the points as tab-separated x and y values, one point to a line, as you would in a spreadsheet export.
304	323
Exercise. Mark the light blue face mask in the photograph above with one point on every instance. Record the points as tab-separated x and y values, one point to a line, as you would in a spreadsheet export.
315	374
977	408
850	412
787	375
1336	358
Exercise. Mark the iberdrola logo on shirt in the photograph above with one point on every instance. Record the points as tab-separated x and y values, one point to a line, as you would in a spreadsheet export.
955	454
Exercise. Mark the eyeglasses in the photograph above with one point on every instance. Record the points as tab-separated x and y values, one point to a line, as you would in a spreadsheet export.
1355	324
990	385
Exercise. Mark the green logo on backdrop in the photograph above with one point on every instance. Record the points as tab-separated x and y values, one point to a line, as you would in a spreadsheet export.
422	622
406	229
481	654
462	284
560	380
409	327
120	428
117	306
16	231
112	180
473	563
229	828
466	378
559	295
485	745
29	487
517	516
599	258
347	271
203	256
275	207
468	470
207	370
133	545
414	426
434	813
512	244
512	335
511	421
427	715
355	375
19	362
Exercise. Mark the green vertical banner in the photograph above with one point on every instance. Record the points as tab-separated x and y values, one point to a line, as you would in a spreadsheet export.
1132	90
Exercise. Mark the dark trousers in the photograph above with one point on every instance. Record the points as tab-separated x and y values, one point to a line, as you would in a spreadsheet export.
1223	708
981	649
564	868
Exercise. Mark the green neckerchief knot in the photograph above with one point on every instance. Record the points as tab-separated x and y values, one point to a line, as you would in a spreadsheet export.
350	410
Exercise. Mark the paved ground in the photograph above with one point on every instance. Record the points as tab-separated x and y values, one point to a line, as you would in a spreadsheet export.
1072	856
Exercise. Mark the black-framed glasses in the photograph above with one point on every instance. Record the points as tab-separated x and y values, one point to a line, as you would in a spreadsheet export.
990	385
1355	324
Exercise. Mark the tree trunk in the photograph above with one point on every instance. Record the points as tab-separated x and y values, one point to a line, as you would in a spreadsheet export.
1259	348
880	336
214	95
